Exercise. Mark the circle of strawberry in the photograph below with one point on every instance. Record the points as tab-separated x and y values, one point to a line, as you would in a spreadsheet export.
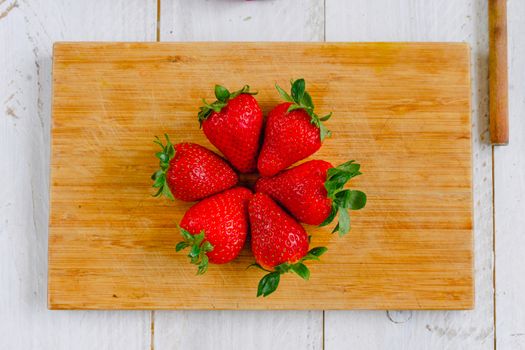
215	228
279	243
233	124
314	192
293	131
190	172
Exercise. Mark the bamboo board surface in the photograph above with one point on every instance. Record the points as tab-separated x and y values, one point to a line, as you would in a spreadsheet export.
401	110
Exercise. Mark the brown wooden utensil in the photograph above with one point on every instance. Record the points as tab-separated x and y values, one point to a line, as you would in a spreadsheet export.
498	79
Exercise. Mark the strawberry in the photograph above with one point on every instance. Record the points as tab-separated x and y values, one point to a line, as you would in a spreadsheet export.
293	131
313	192
216	228
190	172
233	124
279	243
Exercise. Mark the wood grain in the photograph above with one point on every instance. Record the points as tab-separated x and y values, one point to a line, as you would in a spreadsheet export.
498	78
402	110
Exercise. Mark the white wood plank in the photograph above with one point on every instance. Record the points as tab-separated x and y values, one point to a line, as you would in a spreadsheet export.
27	32
425	20
238	330
199	20
237	20
509	193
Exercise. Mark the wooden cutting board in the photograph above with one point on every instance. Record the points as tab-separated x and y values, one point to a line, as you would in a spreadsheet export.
402	110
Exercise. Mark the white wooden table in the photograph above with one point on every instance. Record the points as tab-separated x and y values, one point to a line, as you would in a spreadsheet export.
28	29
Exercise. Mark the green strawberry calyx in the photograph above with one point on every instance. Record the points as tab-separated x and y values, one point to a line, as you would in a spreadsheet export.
301	99
159	177
343	199
269	283
223	95
198	249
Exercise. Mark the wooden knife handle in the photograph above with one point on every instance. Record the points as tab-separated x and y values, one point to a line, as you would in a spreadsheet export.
498	78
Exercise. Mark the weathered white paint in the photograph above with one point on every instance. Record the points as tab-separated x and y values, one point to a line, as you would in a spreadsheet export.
27	32
198	20
238	330
238	20
424	20
509	192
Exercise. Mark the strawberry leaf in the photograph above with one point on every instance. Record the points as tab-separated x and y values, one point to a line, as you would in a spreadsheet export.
194	253
306	101
318	251
185	234
167	192
198	249
268	284
301	99
245	90
181	245
309	256
158	193
284	94
343	199
283	268
357	200
202	267
159	177
298	88
324	132
221	93
314	253
293	107
198	238
326	117
351	167
301	270
344	223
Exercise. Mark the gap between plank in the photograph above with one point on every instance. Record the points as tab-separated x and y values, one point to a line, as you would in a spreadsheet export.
158	21
324	20
152	331
152	312
323	346
494	249
324	39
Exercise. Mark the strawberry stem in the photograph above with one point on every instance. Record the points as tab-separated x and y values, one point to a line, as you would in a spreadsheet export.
301	99
223	95
198	249
269	283
343	199
159	176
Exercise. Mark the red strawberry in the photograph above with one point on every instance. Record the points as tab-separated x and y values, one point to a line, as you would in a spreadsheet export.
293	131
279	243
190	172
313	192
216	228
233	124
